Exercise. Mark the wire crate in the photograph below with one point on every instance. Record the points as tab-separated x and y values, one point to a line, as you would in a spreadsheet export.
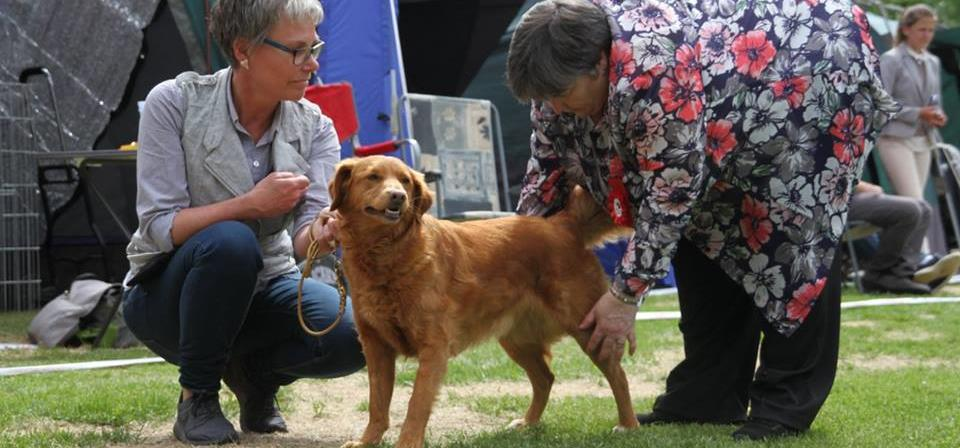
20	213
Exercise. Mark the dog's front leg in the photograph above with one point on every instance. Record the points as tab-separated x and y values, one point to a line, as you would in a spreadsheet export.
381	371
430	373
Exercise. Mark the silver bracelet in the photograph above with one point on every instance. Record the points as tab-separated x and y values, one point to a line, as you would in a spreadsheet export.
625	298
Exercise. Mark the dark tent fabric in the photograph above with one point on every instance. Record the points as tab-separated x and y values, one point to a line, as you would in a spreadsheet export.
445	42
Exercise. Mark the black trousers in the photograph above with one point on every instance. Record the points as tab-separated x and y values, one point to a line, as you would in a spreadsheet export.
722	330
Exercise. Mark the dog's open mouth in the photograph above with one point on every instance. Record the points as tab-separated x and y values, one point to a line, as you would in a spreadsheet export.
390	214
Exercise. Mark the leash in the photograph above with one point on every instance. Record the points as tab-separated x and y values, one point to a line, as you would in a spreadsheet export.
313	252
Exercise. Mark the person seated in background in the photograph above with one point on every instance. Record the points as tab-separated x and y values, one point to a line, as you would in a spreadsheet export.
895	265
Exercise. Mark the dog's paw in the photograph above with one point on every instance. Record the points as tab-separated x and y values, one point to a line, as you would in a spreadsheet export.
621	429
521	423
517	424
354	444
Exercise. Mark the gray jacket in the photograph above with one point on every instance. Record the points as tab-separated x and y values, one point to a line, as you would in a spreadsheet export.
217	170
913	86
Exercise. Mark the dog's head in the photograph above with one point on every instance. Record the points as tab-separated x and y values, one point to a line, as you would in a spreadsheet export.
380	188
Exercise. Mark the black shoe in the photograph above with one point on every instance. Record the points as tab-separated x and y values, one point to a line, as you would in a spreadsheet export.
762	429
258	403
927	260
659	417
200	421
880	282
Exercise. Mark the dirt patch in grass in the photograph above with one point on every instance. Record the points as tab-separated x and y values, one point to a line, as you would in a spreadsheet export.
858	324
330	412
915	335
890	362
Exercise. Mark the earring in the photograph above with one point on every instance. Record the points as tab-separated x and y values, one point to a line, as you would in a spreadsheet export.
245	64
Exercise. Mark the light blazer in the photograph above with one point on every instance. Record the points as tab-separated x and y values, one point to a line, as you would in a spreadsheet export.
903	78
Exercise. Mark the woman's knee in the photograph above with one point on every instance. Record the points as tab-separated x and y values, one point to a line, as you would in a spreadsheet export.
229	241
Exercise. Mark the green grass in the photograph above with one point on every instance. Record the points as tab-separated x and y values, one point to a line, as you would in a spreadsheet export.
913	403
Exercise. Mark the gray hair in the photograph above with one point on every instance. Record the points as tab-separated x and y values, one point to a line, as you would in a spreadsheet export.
556	42
252	19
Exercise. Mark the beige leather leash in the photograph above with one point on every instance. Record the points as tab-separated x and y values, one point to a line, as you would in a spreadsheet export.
313	252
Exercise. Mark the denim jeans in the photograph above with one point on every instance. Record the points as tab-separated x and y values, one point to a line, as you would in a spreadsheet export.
201	310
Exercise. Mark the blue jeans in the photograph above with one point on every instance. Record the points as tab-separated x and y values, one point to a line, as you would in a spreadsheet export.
201	311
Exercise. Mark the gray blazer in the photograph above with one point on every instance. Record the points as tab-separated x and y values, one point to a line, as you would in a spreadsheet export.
903	78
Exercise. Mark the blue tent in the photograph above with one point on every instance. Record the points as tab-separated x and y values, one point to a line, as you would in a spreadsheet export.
363	49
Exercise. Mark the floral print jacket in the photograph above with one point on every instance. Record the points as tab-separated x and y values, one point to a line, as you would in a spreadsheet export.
741	125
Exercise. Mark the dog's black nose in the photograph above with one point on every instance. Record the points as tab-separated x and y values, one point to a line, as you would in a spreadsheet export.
397	197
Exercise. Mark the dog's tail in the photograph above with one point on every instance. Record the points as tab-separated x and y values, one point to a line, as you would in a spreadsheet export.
588	219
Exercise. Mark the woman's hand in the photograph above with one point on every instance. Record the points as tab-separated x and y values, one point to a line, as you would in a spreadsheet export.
326	229
613	326
276	194
933	116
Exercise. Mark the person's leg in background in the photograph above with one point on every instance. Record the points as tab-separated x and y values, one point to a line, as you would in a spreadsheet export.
272	349
190	315
796	373
721	332
904	224
901	164
921	161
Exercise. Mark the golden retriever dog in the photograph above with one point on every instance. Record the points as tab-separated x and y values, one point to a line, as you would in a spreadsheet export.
429	288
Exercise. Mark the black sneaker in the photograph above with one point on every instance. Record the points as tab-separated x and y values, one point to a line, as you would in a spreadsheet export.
200	421
763	429
882	282
258	403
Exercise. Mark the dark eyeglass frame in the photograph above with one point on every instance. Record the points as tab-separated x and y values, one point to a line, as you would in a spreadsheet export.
312	51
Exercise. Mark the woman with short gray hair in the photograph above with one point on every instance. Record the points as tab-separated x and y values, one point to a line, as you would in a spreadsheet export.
729	138
226	164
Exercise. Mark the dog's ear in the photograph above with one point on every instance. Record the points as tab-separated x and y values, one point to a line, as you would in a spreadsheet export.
422	197
338	186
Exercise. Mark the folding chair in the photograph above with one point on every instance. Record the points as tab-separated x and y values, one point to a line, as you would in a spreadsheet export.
947	162
461	138
856	230
336	101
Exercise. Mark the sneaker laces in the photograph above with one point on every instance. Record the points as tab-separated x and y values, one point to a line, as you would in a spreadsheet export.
206	406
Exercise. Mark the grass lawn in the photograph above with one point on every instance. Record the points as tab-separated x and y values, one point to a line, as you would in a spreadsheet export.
897	386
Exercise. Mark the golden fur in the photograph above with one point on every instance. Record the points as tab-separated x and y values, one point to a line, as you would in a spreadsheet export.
429	289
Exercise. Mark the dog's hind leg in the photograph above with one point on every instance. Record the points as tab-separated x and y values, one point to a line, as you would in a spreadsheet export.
534	358
617	379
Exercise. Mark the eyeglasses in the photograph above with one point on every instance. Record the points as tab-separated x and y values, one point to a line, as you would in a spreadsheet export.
300	55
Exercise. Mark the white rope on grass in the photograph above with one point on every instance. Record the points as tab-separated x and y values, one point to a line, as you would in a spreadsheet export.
669	315
10	371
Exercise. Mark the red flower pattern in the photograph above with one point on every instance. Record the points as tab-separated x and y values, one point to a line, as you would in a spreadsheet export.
792	89
622	63
803	298
645	79
683	94
848	130
752	52
754	225
720	139
860	18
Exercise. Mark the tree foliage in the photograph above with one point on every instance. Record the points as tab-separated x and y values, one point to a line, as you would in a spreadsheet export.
947	10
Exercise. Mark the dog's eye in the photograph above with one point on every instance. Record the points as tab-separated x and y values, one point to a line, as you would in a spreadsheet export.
373	177
405	181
